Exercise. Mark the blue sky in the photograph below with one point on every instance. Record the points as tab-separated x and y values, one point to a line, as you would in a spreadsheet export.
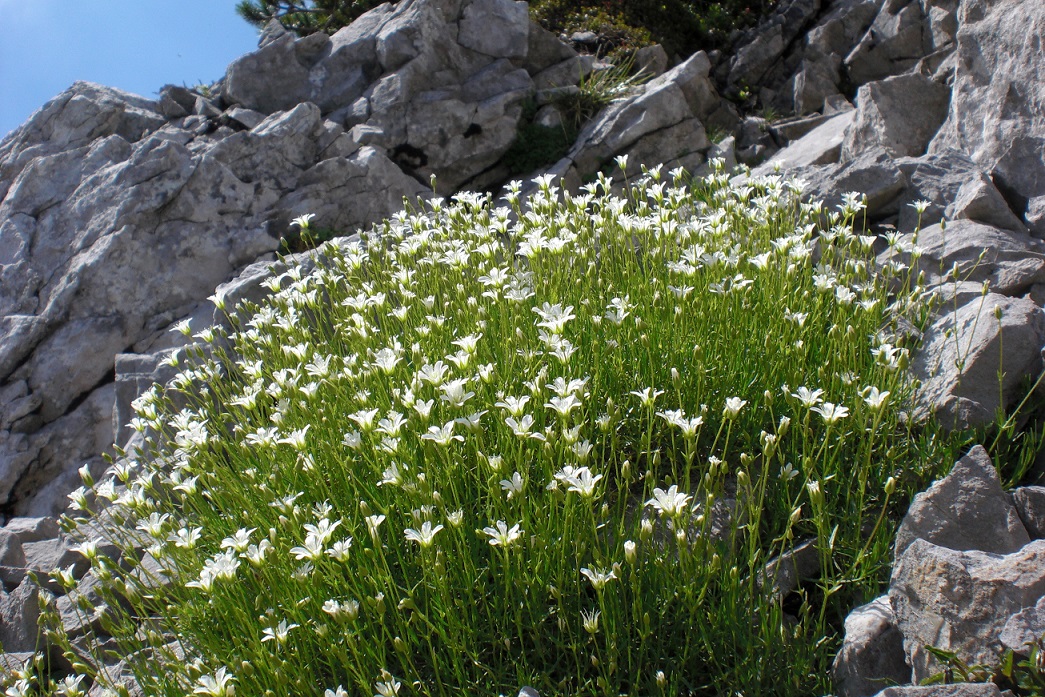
135	45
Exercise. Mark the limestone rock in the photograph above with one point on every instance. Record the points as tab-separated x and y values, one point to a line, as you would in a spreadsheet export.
874	174
498	28
872	654
1026	626
1010	263
1030	505
19	618
757	56
821	146
998	98
960	601
893	43
955	188
957	690
963	350
898	114
966	510
84	113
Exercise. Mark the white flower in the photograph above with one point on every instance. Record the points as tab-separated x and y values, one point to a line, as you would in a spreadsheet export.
373	522
311	549
278	633
874	398
513	405
239	541
216	686
339	692
186	538
831	413
388	688
563	405
514	485
522	427
590	621
672	502
455	393
442	435
647	396
502	535
303	221
554	317
598	578
340	549
580	481
425	536
808	398
733	407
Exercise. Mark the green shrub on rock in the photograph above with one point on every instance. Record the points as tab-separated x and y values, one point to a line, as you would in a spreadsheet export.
556	443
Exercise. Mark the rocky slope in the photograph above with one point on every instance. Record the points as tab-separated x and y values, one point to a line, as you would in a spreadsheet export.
119	216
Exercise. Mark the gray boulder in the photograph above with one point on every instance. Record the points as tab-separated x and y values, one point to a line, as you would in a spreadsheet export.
963	351
821	146
1025	627
498	28
966	510
872	655
1030	505
84	113
663	123
893	44
19	618
967	689
955	188
998	99
1008	262
898	114
760	52
874	174
961	601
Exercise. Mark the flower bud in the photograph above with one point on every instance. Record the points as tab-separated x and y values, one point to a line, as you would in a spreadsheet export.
630	552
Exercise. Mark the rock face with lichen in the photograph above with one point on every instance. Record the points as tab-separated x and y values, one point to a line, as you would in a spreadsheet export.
120	216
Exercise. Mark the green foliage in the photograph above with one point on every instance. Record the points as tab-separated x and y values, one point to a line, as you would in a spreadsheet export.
304	17
552	443
682	26
1023	674
536	146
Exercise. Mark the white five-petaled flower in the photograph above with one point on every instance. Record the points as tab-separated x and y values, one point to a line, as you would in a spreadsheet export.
218	685
387	688
442	435
647	396
831	413
563	405
279	633
733	407
502	535
580	481
598	578
425	536
522	427
303	221
671	502
554	317
875	399
514	485
808	398
513	405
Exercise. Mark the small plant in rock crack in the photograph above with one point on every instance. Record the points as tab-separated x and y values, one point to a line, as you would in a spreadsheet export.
1022	673
551	443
